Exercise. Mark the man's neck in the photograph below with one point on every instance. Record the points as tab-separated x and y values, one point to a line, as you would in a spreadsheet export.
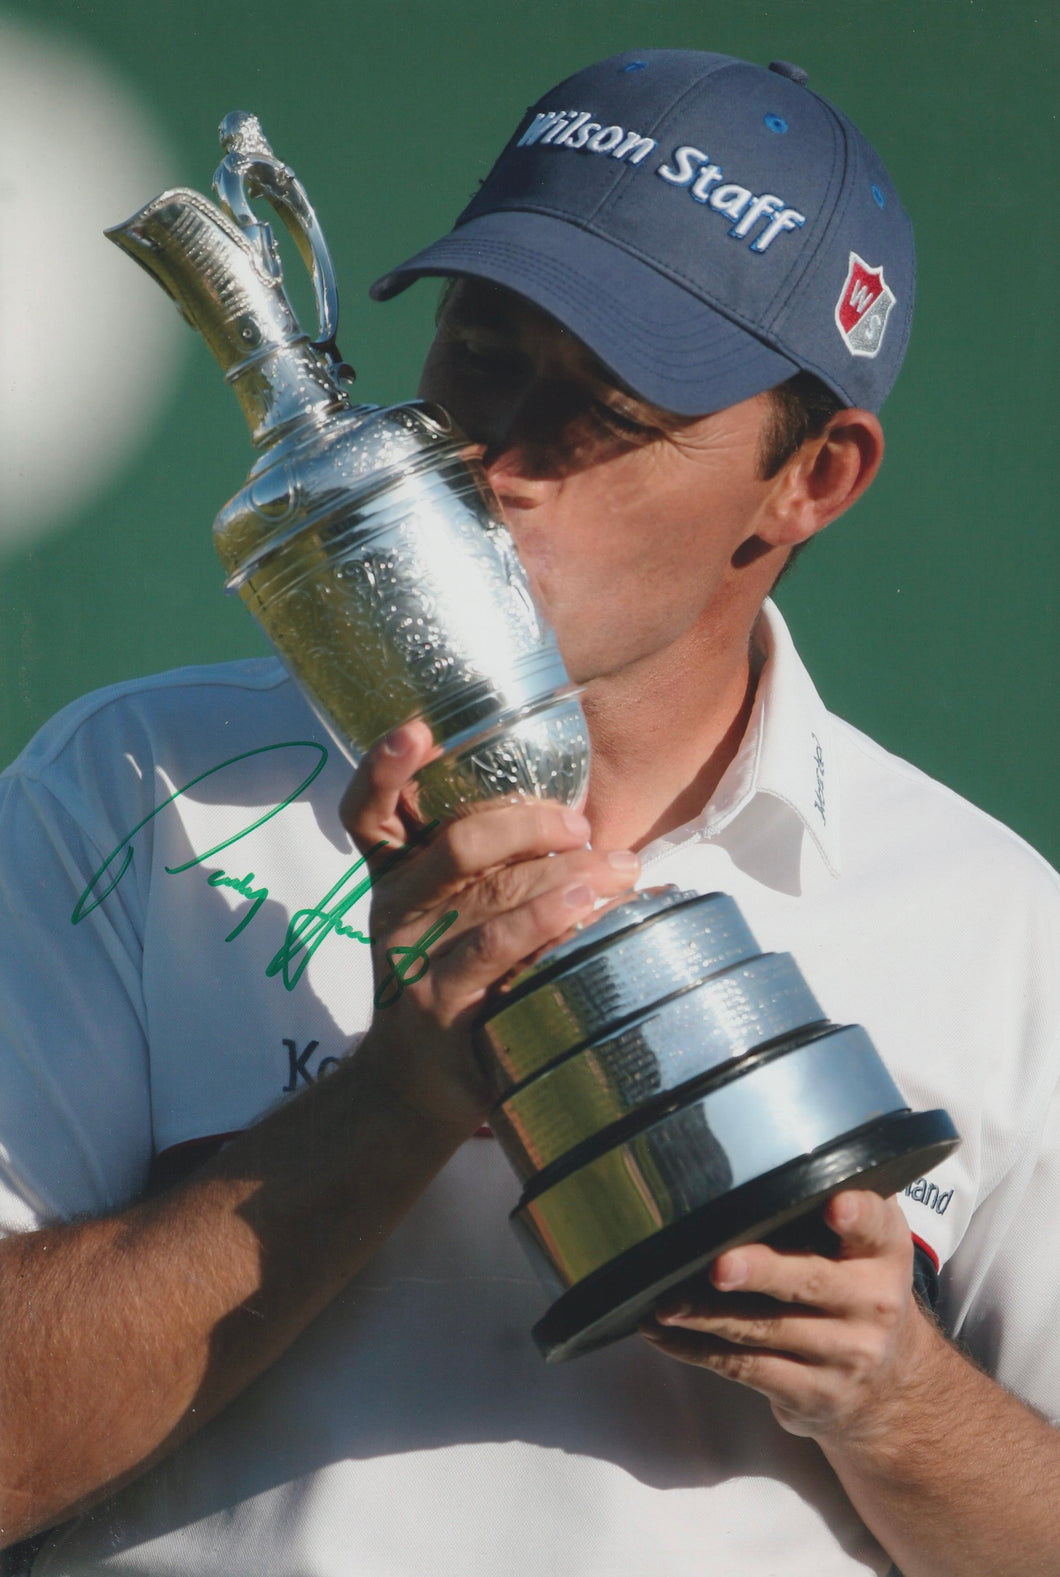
663	733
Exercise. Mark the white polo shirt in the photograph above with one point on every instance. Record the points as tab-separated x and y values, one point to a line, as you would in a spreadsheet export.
158	839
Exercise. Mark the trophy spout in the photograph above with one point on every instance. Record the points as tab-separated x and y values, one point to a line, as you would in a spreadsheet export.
224	288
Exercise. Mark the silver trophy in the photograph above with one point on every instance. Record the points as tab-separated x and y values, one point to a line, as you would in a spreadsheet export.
663	1089
366	542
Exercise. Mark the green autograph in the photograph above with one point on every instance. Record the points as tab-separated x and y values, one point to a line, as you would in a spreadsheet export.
308	928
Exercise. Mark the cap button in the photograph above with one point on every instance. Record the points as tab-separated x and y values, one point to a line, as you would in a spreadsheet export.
785	68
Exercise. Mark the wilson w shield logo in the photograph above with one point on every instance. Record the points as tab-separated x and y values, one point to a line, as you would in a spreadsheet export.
863	308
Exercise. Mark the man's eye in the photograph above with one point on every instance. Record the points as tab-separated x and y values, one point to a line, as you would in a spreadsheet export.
485	361
622	423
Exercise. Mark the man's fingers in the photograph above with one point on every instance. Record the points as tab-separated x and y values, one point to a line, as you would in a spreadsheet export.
499	840
484	861
370	807
762	1323
869	1229
463	975
785	1276
708	1350
867	1225
502	919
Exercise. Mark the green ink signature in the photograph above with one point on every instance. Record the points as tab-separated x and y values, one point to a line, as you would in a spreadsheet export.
90	900
241	885
409	964
308	928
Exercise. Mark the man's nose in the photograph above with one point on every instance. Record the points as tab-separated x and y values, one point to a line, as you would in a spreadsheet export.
512	478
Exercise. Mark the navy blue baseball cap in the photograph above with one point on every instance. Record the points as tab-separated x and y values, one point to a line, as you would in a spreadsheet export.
705	226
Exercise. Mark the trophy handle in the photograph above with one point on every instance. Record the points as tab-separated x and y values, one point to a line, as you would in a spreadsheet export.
251	169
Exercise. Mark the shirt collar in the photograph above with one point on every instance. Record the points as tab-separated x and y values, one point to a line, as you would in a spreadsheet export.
787	752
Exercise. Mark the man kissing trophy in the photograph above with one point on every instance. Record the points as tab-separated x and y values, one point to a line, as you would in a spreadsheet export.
663	1089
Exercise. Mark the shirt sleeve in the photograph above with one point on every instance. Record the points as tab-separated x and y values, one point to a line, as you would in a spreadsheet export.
75	1111
1011	1253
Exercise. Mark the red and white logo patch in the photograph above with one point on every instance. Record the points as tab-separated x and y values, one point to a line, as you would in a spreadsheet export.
863	308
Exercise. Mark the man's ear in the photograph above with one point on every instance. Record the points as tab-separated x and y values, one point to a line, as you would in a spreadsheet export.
823	478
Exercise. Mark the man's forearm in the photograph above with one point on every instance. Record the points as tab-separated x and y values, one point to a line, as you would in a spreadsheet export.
121	1336
964	1481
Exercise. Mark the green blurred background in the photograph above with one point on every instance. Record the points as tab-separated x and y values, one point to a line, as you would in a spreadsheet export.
927	615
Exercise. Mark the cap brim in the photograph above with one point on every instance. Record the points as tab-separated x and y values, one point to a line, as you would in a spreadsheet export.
667	345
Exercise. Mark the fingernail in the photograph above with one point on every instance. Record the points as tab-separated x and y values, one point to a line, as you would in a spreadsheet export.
730	1271
844	1211
674	1311
623	860
579	897
396	743
650	1335
575	822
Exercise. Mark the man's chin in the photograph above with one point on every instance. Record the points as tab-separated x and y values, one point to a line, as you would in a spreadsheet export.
588	668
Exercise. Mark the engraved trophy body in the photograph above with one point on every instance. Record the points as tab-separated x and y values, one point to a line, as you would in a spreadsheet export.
663	1089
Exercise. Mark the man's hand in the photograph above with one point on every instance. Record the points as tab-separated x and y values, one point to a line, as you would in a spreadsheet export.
955	1477
837	1345
494	887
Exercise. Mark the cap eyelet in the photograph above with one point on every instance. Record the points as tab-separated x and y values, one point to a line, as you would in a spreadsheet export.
878	198
776	123
635	65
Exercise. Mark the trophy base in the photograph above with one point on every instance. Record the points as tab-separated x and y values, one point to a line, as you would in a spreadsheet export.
610	1303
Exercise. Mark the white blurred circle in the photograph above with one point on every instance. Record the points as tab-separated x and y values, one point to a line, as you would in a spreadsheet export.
89	347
